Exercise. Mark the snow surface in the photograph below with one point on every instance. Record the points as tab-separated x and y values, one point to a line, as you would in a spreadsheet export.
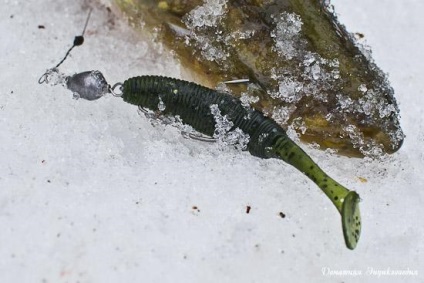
93	192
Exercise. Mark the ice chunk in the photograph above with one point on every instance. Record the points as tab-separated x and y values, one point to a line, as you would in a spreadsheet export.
237	138
245	34
287	34
288	90
223	131
362	88
282	114
247	100
204	30
316	72
345	102
206	15
53	77
367	148
299	124
211	52
161	105
208	48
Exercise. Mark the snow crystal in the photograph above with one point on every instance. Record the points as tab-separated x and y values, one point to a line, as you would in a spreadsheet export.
161	105
288	90
53	77
319	73
299	124
237	138
292	133
309	59
314	145
314	77
223	87
204	31
362	88
345	102
247	100
371	104
223	133
206	15
335	71
240	34
207	48
367	148
286	34
386	110
282	114
315	71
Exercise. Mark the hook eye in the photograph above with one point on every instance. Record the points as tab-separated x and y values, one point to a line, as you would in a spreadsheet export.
117	90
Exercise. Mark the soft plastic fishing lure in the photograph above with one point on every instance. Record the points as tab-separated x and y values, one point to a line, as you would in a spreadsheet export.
192	103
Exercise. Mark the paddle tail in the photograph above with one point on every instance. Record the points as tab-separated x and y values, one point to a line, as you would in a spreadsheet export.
346	201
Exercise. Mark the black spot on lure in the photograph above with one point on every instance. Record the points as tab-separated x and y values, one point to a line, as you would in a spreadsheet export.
192	102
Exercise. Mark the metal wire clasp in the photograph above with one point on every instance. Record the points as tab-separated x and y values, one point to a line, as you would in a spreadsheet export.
117	90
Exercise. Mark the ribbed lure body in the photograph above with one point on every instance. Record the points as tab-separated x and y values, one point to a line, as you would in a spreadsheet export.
193	102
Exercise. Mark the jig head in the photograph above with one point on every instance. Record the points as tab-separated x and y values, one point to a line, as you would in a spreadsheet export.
89	85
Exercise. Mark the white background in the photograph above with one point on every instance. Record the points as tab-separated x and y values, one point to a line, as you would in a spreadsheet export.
92	192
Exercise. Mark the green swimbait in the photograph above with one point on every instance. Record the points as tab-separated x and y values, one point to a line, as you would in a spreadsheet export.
192	103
